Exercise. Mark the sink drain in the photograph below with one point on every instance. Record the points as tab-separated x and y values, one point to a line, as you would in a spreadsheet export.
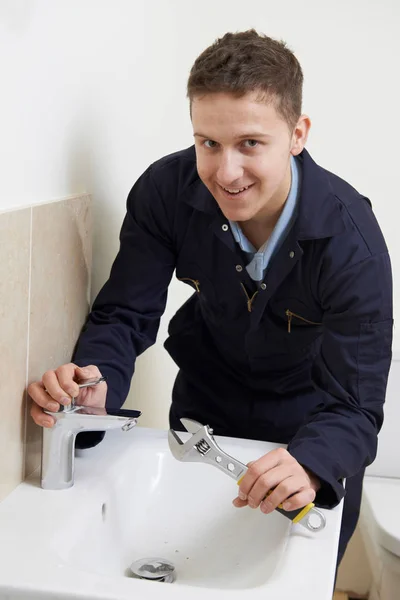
154	569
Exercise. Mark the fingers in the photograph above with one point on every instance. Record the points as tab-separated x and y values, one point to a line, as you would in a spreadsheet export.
264	484
259	468
275	479
280	477
60	383
41	418
239	503
45	392
40	397
300	499
290	493
57	387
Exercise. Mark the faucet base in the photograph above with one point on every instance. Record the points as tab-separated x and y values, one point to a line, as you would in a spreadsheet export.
59	441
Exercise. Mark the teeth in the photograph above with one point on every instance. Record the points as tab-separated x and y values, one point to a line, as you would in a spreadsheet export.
236	191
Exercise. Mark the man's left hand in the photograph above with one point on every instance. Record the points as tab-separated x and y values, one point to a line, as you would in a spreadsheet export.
292	485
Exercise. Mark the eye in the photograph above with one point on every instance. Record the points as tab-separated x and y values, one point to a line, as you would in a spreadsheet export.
211	141
255	142
210	144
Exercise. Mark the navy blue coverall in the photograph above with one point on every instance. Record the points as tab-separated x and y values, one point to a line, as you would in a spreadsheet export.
302	359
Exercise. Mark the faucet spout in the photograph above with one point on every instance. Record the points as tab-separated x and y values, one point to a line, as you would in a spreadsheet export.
58	452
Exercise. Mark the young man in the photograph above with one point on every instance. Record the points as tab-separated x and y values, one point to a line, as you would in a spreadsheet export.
287	336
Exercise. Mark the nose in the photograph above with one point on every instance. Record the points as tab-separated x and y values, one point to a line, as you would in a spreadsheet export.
229	169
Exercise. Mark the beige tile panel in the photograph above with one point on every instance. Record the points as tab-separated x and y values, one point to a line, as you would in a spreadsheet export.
60	284
14	297
354	573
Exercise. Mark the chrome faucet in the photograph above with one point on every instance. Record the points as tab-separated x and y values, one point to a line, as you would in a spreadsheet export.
58	450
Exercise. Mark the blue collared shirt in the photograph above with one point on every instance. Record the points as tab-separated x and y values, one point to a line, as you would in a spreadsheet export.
258	260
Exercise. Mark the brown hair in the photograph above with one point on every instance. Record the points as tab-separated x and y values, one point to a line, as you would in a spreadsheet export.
244	62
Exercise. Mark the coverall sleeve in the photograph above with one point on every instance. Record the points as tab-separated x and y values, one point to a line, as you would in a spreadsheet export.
125	316
351	374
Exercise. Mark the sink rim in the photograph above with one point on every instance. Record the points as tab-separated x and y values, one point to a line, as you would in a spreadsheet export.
45	573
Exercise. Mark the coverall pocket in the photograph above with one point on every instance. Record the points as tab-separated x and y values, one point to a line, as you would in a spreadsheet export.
300	324
192	275
298	320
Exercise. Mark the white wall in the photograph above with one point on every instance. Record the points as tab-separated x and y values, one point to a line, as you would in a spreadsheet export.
94	90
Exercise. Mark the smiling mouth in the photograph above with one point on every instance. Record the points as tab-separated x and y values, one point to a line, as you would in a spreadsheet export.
236	192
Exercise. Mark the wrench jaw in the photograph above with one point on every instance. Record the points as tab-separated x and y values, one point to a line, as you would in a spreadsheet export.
192	426
201	447
188	451
176	445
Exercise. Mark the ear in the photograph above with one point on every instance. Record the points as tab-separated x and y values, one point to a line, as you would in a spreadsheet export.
300	135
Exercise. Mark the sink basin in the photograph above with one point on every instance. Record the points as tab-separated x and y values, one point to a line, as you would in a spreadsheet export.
132	500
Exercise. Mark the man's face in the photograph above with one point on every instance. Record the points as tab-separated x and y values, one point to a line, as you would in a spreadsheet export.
260	160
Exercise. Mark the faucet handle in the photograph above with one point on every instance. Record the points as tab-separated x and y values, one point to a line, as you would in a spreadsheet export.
100	411
106	412
124	412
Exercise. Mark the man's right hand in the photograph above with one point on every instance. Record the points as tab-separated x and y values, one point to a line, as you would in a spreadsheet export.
59	386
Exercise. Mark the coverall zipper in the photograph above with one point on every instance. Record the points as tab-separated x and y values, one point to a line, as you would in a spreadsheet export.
249	300
196	282
291	314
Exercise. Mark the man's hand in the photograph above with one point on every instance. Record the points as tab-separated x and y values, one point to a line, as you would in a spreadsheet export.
292	485
58	386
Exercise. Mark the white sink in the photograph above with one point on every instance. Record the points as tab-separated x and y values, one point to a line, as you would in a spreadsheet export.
132	500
